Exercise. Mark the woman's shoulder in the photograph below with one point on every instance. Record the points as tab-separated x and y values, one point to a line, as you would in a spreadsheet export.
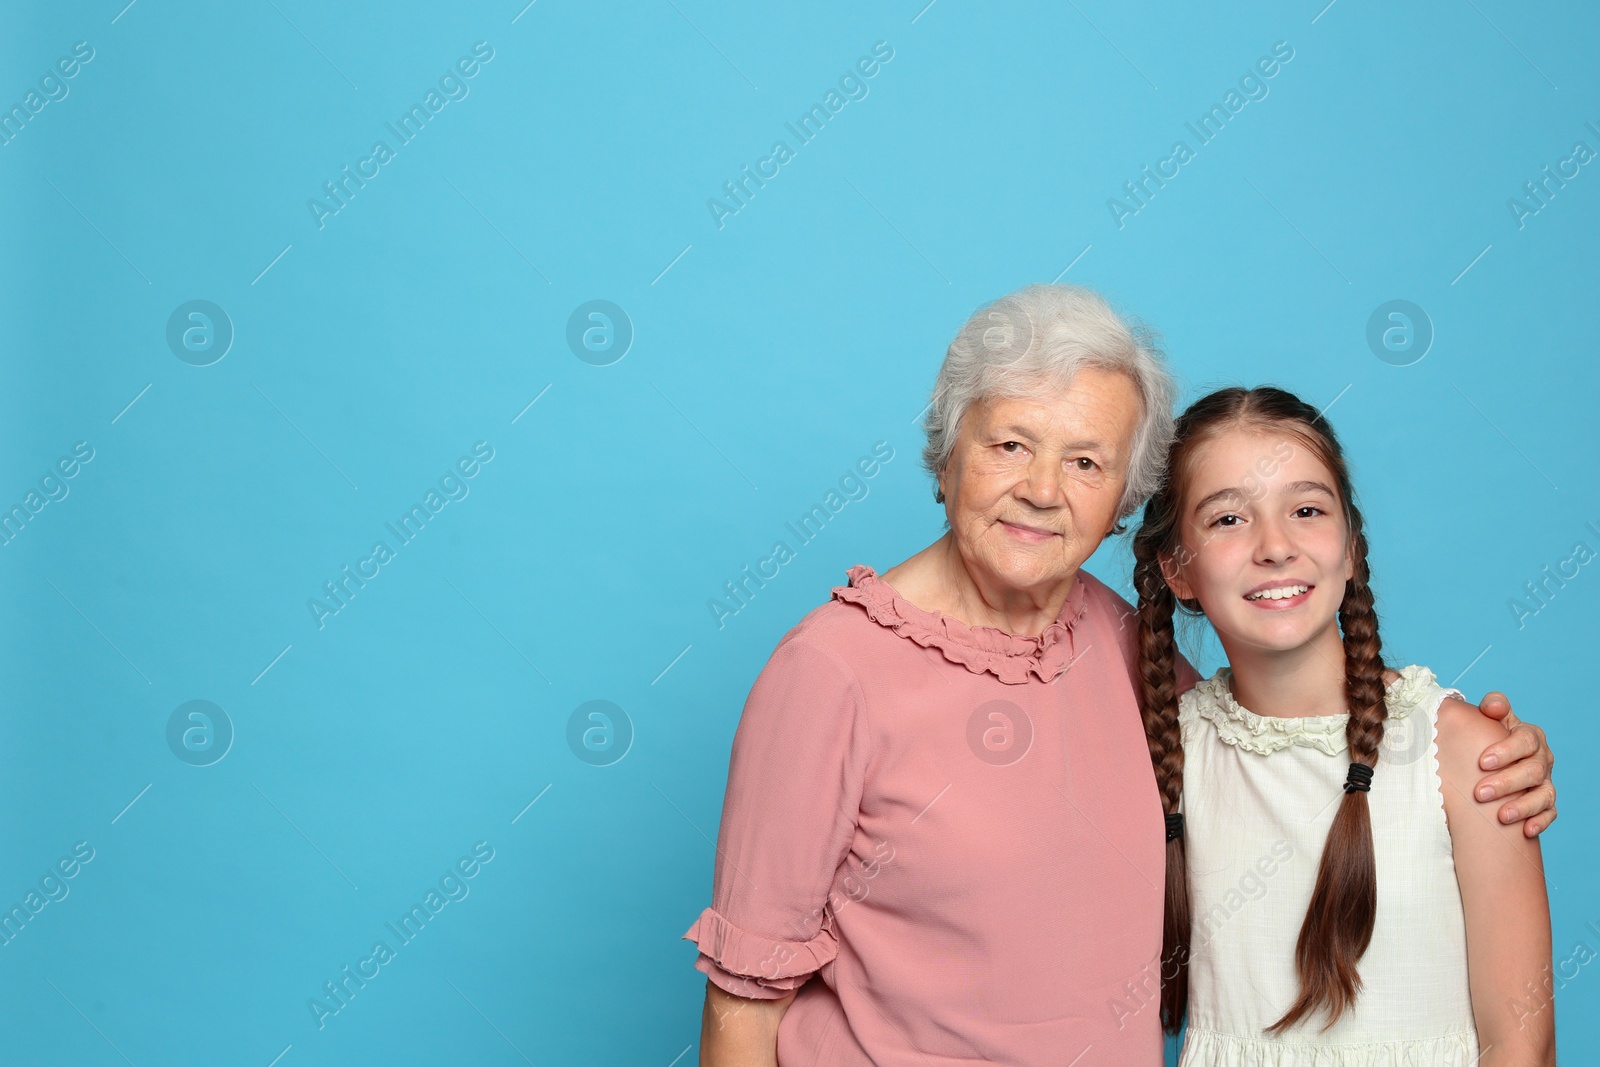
1108	607
1104	598
832	628
810	670
844	629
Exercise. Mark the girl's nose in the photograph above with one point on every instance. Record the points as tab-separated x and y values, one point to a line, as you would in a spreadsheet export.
1274	543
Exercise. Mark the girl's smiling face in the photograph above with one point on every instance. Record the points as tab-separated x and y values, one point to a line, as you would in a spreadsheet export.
1264	546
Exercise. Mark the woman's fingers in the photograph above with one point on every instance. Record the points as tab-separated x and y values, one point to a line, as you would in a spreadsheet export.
1525	740
1538	803
1537	825
1497	705
1524	774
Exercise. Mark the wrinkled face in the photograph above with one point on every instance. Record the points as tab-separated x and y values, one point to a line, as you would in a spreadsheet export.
1264	544
1032	486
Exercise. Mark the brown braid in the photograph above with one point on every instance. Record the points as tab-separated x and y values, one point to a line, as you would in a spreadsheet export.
1158	704
1344	903
1339	922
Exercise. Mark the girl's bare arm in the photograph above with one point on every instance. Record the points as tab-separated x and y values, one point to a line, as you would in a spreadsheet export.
1501	875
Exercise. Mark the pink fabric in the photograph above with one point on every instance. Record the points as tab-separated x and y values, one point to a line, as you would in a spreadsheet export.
937	893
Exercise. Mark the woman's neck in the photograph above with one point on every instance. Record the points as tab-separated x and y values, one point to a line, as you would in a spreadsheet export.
1294	683
939	579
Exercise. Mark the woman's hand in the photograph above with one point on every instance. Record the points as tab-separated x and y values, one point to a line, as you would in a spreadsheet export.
1527	762
738	1031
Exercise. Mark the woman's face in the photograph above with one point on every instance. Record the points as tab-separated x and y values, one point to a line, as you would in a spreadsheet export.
1264	546
1032	486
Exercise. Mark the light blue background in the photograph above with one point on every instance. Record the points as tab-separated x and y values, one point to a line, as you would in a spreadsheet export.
769	355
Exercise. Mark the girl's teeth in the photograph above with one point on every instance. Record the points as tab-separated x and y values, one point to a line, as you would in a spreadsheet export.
1283	593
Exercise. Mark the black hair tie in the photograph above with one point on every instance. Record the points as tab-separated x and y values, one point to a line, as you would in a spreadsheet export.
1359	780
1174	826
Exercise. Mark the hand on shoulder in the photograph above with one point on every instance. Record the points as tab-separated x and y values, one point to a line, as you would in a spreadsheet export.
1463	734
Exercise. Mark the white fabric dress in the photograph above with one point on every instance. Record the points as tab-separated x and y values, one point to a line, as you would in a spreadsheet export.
1259	796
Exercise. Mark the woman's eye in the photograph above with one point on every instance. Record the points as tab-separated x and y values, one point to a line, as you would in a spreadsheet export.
1084	463
1011	446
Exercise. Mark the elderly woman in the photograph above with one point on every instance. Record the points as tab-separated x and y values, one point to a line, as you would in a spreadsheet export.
940	802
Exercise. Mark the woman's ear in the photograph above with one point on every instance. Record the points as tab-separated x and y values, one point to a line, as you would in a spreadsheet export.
1172	574
948	477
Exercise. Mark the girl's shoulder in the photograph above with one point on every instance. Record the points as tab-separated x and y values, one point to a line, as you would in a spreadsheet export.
1462	733
1413	688
1208	700
1196	706
1207	693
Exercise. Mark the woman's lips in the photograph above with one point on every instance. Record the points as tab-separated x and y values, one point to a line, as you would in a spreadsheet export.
1027	533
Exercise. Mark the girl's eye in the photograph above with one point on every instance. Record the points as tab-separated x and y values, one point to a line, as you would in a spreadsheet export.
1226	520
1307	511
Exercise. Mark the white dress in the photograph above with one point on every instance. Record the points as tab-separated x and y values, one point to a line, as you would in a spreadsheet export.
1259	796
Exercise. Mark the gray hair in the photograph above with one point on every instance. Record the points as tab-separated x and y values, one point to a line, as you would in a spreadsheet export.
1029	344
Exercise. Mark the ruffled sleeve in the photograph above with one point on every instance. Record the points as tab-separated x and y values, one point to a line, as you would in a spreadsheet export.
753	965
789	815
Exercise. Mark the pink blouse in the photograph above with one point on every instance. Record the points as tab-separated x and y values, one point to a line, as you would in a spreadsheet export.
954	829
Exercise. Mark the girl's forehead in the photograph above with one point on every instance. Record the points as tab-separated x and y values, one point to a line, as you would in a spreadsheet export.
1233	442
1247	457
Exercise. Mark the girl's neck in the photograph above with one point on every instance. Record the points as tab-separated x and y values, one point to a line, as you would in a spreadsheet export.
1295	683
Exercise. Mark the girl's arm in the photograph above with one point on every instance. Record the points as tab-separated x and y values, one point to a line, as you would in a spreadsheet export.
1501	876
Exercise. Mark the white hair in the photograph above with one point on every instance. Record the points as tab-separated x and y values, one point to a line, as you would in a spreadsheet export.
1028	345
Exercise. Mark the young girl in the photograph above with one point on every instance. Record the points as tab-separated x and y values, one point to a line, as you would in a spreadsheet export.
1334	895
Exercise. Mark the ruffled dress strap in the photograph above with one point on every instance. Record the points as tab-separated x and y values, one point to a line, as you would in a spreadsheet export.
1212	702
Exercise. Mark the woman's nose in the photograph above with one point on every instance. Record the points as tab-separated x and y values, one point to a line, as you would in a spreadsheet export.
1042	485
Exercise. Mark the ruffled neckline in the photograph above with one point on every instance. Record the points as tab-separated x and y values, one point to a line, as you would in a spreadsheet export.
1010	657
1237	725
